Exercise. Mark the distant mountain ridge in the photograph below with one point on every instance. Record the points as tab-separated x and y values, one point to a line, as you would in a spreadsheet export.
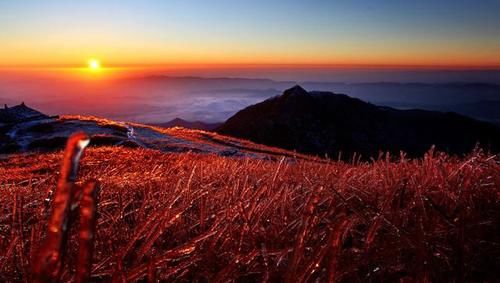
467	97
327	123
197	125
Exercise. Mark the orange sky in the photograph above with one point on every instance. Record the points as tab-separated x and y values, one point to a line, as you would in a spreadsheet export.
158	34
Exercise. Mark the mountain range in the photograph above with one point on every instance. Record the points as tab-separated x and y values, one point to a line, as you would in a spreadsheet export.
329	123
158	99
317	122
197	125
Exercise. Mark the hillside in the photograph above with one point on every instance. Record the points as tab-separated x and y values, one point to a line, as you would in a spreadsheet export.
202	217
43	133
327	123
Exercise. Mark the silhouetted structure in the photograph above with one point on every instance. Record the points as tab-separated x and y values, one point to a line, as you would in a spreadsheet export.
19	113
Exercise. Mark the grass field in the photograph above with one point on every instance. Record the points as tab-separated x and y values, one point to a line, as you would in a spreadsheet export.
199	217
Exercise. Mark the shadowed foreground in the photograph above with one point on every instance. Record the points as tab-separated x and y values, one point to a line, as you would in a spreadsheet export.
193	217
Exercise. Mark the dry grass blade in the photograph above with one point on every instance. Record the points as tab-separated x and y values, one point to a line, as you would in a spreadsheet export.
88	211
51	256
308	220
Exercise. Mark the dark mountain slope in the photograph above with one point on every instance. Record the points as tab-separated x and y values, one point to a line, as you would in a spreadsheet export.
328	123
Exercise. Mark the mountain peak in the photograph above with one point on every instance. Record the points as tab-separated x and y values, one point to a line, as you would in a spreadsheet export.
327	123
179	122
297	90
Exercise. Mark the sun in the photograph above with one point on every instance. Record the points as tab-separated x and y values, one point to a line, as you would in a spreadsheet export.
94	65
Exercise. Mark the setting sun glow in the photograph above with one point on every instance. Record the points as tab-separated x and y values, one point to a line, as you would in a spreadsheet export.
94	64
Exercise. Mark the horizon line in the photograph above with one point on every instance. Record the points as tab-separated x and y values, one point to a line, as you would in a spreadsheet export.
261	65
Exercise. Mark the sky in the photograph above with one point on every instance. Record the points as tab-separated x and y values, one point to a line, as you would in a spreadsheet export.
45	47
447	33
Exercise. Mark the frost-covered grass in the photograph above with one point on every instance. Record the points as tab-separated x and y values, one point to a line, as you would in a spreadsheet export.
51	134
198	217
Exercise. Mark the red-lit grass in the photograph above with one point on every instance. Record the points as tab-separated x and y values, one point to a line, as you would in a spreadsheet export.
202	217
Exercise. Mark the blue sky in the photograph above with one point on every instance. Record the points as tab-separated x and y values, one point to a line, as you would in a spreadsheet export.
261	32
